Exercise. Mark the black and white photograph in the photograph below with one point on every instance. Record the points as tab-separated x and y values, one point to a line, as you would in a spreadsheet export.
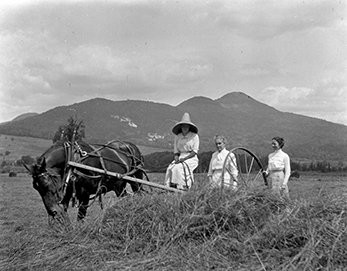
173	135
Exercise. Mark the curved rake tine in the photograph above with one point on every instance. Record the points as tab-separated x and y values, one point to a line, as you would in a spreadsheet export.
258	174
248	172
246	165
250	168
229	171
238	166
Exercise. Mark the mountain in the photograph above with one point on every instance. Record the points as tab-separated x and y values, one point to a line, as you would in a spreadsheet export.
138	121
24	116
250	123
242	119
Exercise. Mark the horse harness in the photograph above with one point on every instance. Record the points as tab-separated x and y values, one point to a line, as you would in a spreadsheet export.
74	153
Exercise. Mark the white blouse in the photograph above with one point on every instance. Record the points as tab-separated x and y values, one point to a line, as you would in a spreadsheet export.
278	160
185	144
217	162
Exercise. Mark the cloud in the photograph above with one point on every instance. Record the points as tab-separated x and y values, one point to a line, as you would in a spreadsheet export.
254	70
96	61
60	52
281	96
267	19
328	100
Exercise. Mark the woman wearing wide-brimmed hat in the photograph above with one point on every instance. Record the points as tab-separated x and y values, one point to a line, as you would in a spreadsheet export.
186	146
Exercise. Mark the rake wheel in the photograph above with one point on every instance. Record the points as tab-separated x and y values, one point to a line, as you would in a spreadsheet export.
250	169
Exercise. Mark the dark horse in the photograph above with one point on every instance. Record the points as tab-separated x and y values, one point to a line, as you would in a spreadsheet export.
57	183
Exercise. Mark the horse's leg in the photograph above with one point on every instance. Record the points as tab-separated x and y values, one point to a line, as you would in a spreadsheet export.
84	201
68	195
119	187
82	210
136	187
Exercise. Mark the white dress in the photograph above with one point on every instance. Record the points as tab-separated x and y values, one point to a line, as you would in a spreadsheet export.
182	173
279	172
216	168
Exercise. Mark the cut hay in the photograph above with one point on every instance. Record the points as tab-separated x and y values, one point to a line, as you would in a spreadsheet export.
204	229
208	229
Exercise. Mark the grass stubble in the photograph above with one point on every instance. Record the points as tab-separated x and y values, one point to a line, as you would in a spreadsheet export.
204	229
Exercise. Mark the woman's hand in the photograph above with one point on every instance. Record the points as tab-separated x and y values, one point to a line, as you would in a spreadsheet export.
265	172
179	160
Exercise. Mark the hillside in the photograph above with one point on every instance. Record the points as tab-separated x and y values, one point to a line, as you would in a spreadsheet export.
250	123
19	146
24	116
22	146
245	121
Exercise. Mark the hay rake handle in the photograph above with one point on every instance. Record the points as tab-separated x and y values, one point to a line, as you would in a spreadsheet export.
121	176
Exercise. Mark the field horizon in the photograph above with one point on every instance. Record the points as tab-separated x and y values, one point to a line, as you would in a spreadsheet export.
19	146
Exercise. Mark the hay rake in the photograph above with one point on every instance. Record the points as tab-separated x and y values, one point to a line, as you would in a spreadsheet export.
249	166
250	171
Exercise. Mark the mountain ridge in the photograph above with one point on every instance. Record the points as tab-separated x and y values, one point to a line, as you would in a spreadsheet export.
242	119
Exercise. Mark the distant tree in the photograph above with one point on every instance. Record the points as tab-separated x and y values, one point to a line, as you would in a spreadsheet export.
340	166
158	161
73	130
59	134
204	162
304	167
4	155
18	162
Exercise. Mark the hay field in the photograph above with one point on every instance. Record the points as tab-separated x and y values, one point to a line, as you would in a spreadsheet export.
19	146
202	230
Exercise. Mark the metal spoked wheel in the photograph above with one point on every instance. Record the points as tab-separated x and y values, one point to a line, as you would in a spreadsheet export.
248	165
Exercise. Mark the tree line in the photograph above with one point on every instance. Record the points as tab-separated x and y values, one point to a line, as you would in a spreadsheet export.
158	162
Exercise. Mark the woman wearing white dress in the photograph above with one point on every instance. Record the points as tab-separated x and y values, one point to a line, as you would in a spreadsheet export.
278	170
179	173
229	179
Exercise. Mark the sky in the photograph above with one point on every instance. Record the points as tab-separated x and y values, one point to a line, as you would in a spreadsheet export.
288	54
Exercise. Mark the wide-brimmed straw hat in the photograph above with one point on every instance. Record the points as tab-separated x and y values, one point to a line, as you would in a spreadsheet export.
185	120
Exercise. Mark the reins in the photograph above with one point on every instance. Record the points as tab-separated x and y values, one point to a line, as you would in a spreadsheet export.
185	169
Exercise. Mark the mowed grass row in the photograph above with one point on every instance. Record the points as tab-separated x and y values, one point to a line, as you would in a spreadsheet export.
204	229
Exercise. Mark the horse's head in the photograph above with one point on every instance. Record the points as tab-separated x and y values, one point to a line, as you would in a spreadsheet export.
54	157
49	184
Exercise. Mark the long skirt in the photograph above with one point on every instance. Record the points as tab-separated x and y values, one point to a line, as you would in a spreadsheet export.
181	174
276	179
217	179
